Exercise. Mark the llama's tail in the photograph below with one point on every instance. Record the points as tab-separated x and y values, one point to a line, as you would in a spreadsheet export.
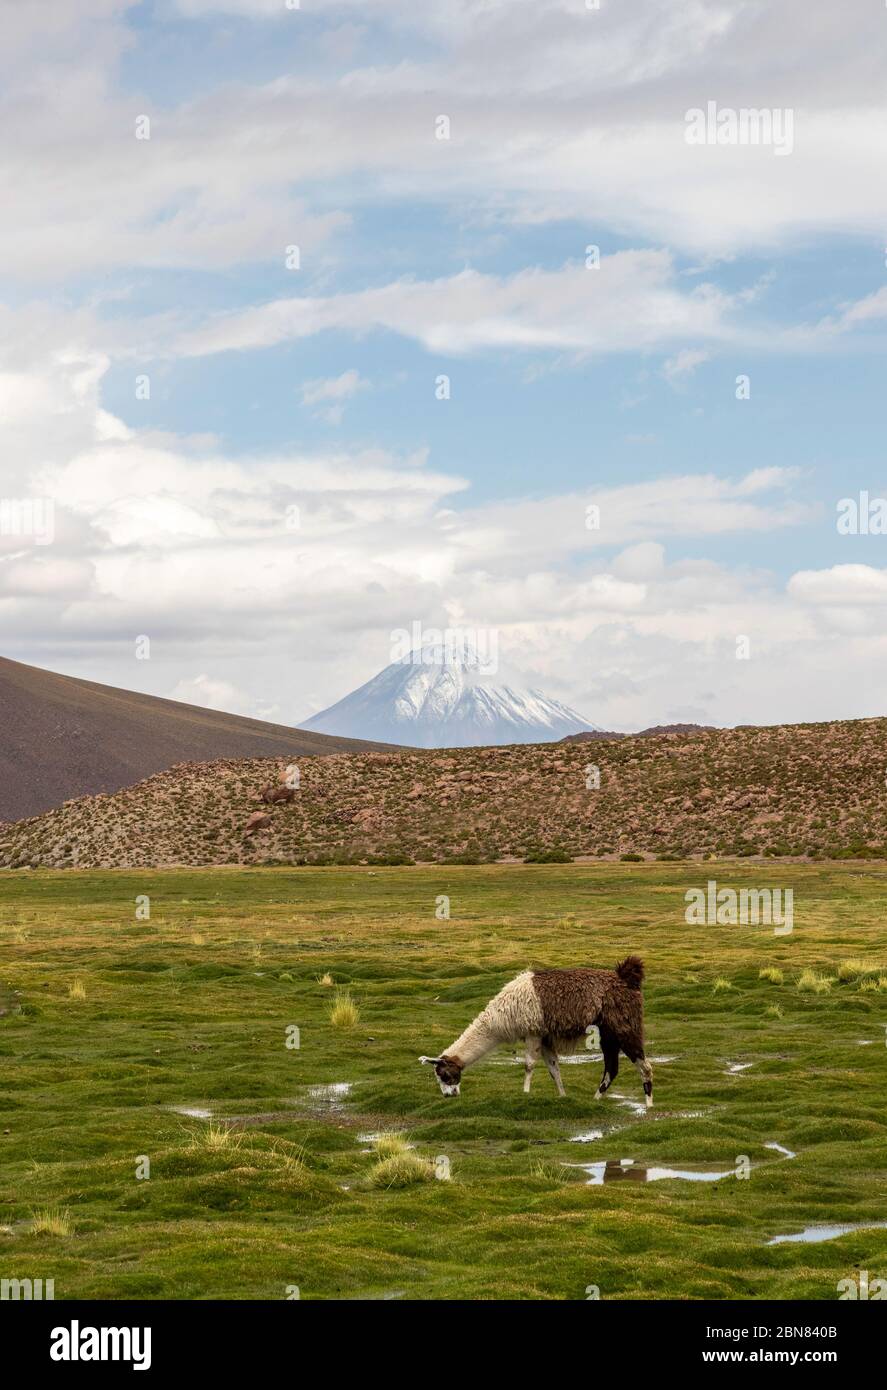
631	971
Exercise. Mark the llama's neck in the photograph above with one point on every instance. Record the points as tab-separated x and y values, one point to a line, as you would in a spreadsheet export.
474	1043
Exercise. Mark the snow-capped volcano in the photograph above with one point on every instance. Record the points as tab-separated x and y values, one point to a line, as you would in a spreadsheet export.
435	697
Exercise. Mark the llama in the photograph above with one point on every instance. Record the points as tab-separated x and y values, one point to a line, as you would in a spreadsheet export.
550	1010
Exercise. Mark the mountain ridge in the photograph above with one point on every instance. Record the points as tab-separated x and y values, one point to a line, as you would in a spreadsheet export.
63	737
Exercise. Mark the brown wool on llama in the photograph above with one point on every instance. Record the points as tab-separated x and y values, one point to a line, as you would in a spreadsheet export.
550	1011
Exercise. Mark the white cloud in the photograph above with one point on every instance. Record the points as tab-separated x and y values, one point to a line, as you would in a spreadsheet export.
684	363
246	611
634	301
840	585
332	393
209	693
557	112
276	578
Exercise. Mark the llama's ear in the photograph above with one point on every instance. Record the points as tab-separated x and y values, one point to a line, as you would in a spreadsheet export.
430	1060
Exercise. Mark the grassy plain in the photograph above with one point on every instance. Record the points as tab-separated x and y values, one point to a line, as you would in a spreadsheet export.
108	1022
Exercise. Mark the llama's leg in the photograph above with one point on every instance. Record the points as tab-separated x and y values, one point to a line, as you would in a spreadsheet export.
533	1050
610	1049
550	1058
646	1071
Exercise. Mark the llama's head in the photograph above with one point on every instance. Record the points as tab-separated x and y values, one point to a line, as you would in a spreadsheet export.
448	1071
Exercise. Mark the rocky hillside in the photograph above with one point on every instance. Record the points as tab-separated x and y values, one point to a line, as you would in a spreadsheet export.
796	790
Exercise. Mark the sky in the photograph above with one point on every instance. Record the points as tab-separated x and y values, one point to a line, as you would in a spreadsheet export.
318	322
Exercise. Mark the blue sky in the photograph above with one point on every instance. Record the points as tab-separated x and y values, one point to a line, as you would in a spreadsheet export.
272	387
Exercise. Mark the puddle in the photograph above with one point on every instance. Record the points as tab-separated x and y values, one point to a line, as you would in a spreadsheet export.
194	1112
812	1234
733	1068
573	1059
587	1138
626	1170
864	1042
331	1096
637	1107
780	1149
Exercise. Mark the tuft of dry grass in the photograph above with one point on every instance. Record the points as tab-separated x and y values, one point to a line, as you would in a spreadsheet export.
854	968
771	973
215	1139
51	1221
401	1170
76	990
811	983
325	979
391	1143
775	1011
344	1012
719	984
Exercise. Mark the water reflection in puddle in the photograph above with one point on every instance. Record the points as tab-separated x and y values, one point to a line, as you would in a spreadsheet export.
812	1234
637	1107
733	1068
194	1112
332	1095
626	1170
781	1149
572	1059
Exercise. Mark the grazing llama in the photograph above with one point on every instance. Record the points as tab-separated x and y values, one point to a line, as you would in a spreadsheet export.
550	1011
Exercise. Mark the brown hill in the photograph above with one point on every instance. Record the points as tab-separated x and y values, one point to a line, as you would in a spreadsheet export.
61	737
813	789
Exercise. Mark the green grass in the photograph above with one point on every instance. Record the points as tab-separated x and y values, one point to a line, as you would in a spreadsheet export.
195	1009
